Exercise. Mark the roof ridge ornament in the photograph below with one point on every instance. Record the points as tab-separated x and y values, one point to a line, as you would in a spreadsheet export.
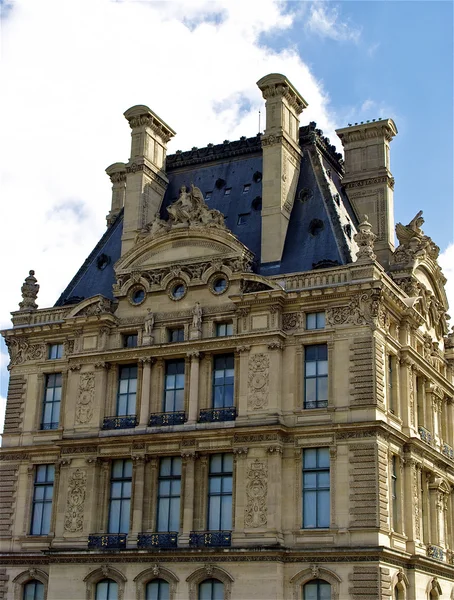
188	211
365	239
413	243
29	289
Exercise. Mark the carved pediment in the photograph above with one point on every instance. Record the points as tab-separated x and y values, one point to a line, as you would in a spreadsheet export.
92	307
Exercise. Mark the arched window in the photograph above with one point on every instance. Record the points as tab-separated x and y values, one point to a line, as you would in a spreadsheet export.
317	589
157	589
33	590
106	589
211	589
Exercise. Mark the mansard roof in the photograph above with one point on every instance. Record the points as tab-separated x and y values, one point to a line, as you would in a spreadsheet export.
322	221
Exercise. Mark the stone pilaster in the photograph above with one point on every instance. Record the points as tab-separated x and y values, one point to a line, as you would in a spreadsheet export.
137	498
193	411
275	375
242	378
188	487
145	391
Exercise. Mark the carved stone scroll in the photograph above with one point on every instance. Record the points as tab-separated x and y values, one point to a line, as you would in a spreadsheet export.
74	516
84	406
258	381
255	513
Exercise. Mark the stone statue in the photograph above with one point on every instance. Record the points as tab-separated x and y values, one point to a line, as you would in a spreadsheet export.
29	291
365	239
149	323
197	316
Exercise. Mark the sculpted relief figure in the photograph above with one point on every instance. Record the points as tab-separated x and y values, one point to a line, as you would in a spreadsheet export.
191	209
197	316
413	242
149	323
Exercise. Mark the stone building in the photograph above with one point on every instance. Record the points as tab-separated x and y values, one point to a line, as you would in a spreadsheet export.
246	391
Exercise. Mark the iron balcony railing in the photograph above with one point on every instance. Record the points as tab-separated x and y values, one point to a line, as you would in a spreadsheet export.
167	418
157	540
212	415
123	422
107	540
204	539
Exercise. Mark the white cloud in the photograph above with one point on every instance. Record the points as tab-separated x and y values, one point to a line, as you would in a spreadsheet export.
325	20
446	261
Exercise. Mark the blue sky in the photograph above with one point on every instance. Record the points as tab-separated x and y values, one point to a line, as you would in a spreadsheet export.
67	79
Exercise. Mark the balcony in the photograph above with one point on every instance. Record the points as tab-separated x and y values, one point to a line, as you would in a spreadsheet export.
107	541
447	451
425	435
316	404
157	540
210	539
435	552
123	422
167	418
212	415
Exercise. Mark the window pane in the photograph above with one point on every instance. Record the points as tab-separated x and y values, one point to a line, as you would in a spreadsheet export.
179	400
226	512
47	512
214	513
228	463
124	522
324	590
322	389
163	514
157	590
176	466
311	386
323	457
215	485
323	508
309	508
165	467
36	519
216	463
320	320
174	516
310	591
311	369
310	458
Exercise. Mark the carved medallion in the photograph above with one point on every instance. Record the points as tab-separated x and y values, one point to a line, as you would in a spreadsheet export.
258	381
74	515
84	406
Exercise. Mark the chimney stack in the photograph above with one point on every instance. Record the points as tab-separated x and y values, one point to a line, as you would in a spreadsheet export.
146	180
117	174
281	161
368	180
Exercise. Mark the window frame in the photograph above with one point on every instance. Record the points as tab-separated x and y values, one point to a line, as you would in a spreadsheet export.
124	500
226	325
55	405
224	386
317	403
109	580
317	581
35	597
318	316
128	394
318	490
42	502
210	580
180	335
170	496
180	366
127	337
212	495
59	351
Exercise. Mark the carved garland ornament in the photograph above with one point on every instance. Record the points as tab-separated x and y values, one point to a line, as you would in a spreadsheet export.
84	406
20	351
255	512
258	381
74	516
362	310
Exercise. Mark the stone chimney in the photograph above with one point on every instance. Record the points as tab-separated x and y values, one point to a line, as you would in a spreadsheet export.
146	180
117	174
368	180
281	161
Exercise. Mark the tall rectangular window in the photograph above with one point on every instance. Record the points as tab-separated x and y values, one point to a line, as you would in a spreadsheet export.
130	340
220	492
127	390
316	488
55	351
394	492
42	499
223	380
120	496
169	490
175	334
52	399
174	386
316	376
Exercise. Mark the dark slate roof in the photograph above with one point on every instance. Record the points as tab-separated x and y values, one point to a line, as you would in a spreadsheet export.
316	236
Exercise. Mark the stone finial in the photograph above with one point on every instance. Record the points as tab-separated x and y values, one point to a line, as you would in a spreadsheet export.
29	291
365	239
449	340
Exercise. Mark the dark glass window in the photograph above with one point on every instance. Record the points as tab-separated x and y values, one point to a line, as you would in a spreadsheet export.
158	589
316	488
315	320
107	589
176	335
178	291
52	399
42	499
33	590
243	218
220	285
246	188
224	329
317	589
394	492
227	191
391	399
208	195
130	340
127	390
120	496
220	492
55	351
211	589
316	376
169	490
174	386
138	296
223	380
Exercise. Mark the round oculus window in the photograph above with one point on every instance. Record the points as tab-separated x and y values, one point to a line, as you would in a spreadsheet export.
220	285
138	296
178	291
